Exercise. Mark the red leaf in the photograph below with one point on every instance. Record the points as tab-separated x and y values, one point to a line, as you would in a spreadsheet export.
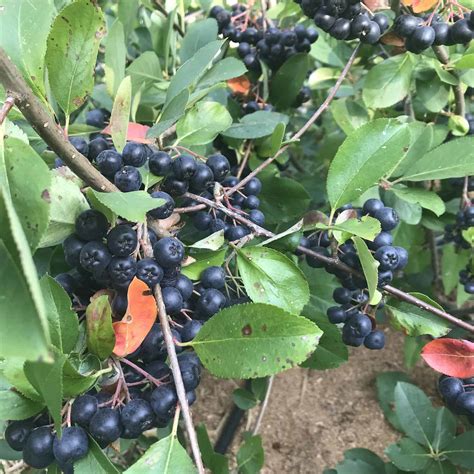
453	357
136	133
138	320
239	85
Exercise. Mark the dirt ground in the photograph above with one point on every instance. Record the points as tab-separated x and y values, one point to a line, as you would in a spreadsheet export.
314	416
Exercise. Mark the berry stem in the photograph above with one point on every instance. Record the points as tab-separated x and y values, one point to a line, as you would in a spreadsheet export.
303	129
263	406
6	107
141	371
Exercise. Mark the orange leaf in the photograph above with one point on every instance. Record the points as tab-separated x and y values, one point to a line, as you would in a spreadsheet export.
419	6
239	85
453	357
136	132
138	320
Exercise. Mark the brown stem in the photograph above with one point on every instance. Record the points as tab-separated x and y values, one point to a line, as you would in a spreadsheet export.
162	10
34	111
336	263
443	57
6	107
145	374
263	406
303	129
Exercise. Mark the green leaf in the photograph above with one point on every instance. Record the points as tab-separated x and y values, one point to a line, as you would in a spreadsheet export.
369	266
257	125
426	199
386	383
454	159
409	213
127	14
29	182
458	125
360	461
132	206
47	379
66	203
193	69
453	260
388	82
250	457
145	70
215	462
415	413
244	399
100	333
95	462
63	322
166	456
445	430
121	114
203	123
364	158
416	321
466	61
330	51
213	242
271	277
170	114
24	305
198	35
223	70
115	57
202	261
12	371
408	455
432	93
288	80
24	28
270	145
14	406
461	450
277	209
349	114
367	228
254	340
73	43
412	347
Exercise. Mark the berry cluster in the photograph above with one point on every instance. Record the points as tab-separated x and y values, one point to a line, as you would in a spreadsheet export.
353	297
458	395
464	220
272	45
345	19
466	278
421	33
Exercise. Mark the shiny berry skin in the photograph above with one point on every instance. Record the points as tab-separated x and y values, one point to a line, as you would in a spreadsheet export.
122	270
213	277
67	281
96	118
359	325
163	401
288	38
172	299
312	35
94	257
360	24
185	286
219	165
257	217
243	49
371	206
72	247
382	239
342	295
402	257
152	346
441	33
134	154
324	21
128	179
210	302
160	163
105	426
91	225
164	210
385	277
80	145
137	416
184	167
372	34
423	37
336	315
168	252
149	272
405	25
72	446
450	388
375	340
464	404
97	146
83	409
251	202
460	32
216	225
158	369
382	21
341	29
253	187
190	374
202	178
190	330
17	432
202	220
38	448
174	186
388	257
122	240
109	162
236	232
388	218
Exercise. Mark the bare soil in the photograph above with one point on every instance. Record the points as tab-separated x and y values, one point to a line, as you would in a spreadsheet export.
314	416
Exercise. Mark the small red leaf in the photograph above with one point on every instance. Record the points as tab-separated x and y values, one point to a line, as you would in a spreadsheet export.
239	85
138	320
136	133
453	357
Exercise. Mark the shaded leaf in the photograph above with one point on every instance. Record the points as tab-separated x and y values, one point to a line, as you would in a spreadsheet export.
250	457
14	406
408	455
100	333
369	266
121	114
115	57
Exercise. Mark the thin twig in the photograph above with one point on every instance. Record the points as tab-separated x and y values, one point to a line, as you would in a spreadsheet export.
263	406
437	284
6	107
443	57
244	160
162	10
303	129
336	263
44	124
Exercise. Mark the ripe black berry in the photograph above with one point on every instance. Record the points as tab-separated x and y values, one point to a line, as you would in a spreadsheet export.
109	162
72	247
219	166
17	432
83	409
210	302
128	179
213	277
388	218
80	145
149	272
122	240
122	270
375	340
72	446
160	163
202	178
38	448
184	167
185	286
164	210
163	401
91	225
94	257
172	299
105	426
168	252
134	154
137	416
97	146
